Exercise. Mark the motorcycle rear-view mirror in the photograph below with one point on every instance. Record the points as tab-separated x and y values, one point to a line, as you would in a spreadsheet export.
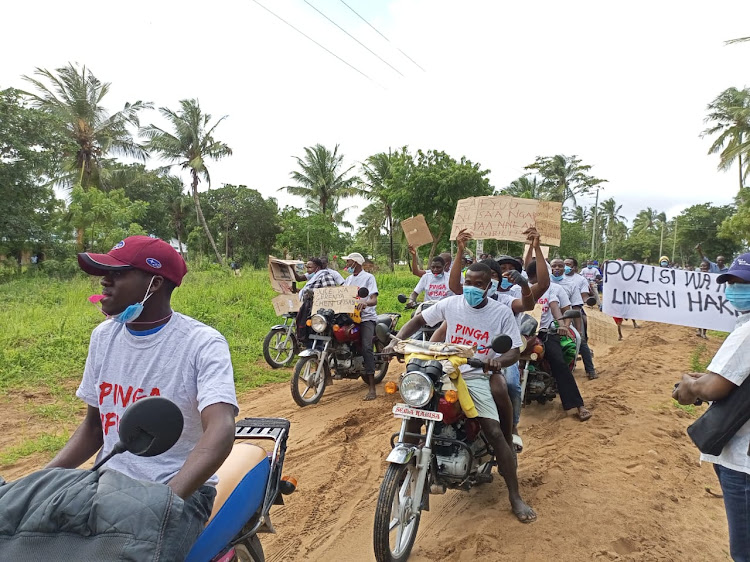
383	334
363	292
149	427
572	314
402	298
591	301
501	344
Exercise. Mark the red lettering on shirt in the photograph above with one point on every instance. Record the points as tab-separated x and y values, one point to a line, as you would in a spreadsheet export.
105	389
124	398
476	333
110	419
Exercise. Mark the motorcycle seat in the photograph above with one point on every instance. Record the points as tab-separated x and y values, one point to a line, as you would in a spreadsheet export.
386	319
239	494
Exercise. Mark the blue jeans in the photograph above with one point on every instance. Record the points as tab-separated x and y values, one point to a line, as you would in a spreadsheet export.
513	379
736	489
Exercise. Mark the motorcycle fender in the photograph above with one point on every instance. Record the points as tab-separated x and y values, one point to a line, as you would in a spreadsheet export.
401	453
279	327
309	353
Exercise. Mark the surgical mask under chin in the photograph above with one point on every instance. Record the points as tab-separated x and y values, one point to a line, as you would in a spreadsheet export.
505	284
309	276
557	277
438	275
568	270
493	288
590	266
350	269
134	310
473	295
738	294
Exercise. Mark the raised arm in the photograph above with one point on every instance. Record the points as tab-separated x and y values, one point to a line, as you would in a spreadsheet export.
454	280
542	273
415	269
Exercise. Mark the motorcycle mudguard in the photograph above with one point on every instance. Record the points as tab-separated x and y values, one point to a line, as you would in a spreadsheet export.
309	353
401	453
279	327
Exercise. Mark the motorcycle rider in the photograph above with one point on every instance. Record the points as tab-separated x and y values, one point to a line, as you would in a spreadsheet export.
553	304
474	318
360	278
418	271
145	348
433	284
317	276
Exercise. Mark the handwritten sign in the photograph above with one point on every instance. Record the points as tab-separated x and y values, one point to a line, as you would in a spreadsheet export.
416	231
338	299
505	218
672	296
285	304
545	251
281	274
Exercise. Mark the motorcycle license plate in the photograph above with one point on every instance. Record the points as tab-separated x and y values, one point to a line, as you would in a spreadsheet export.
404	411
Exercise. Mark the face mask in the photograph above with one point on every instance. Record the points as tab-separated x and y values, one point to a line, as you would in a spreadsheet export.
556	277
350	269
590	266
505	284
738	294
134	310
493	288
309	276
439	275
664	263
568	270
474	296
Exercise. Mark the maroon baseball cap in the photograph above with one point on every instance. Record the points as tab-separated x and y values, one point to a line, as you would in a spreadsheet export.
152	255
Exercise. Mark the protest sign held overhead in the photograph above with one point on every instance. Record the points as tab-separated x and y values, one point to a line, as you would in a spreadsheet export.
339	299
416	231
506	218
672	296
281	273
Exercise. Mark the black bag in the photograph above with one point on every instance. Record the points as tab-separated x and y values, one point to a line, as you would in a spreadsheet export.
721	421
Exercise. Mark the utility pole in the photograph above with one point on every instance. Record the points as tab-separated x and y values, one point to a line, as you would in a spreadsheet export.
593	229
661	242
674	241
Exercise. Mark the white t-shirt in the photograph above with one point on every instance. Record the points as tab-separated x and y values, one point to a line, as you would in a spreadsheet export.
364	279
336	275
590	273
732	362
557	294
186	362
583	284
435	288
470	326
571	286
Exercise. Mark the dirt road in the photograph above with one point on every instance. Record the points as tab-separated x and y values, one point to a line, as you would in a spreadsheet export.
625	485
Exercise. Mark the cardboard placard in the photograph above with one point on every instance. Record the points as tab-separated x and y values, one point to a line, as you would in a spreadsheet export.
281	274
505	218
545	251
416	231
285	304
338	299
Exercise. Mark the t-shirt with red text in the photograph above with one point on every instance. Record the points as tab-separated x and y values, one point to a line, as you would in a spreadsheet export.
555	293
186	362
474	326
435	288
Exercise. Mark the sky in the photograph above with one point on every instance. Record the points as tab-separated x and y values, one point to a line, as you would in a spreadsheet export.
622	85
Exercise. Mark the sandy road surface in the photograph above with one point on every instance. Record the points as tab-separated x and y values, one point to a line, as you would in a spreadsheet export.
624	486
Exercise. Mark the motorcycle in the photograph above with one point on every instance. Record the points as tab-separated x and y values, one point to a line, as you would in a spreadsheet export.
537	382
250	480
426	332
280	344
452	453
336	348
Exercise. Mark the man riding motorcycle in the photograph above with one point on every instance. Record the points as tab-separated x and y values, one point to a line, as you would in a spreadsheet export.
470	319
360	278
434	284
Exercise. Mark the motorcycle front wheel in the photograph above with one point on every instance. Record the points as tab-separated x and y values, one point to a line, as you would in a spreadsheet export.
309	381
249	551
397	513
279	348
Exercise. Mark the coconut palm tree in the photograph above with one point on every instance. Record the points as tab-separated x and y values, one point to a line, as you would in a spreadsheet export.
376	185
189	146
564	177
526	187
320	181
729	114
649	220
74	95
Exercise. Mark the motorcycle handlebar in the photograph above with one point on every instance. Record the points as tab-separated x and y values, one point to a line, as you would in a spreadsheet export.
479	364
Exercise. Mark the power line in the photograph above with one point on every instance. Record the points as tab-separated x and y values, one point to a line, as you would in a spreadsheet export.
352	36
383	36
314	41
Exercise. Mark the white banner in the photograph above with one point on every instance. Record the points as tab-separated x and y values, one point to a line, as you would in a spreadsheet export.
672	296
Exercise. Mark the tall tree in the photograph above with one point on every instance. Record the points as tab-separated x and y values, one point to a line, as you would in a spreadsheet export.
377	185
321	181
74	95
189	146
609	213
564	177
729	115
649	220
526	187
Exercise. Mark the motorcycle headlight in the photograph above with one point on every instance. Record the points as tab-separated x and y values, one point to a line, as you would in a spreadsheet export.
416	389
318	323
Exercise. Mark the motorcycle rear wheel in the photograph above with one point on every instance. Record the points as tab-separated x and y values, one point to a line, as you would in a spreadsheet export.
306	379
249	551
279	348
383	370
398	510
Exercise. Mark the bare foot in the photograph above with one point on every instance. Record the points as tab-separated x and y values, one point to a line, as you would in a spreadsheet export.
370	396
523	511
584	414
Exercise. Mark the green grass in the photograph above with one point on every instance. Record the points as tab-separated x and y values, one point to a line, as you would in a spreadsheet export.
688	408
49	444
697	362
718	335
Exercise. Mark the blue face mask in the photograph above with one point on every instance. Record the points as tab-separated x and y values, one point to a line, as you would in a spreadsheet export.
556	277
134	310
309	276
664	264
505	284
493	288
738	294
439	275
590	266
568	270
473	295
350	269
